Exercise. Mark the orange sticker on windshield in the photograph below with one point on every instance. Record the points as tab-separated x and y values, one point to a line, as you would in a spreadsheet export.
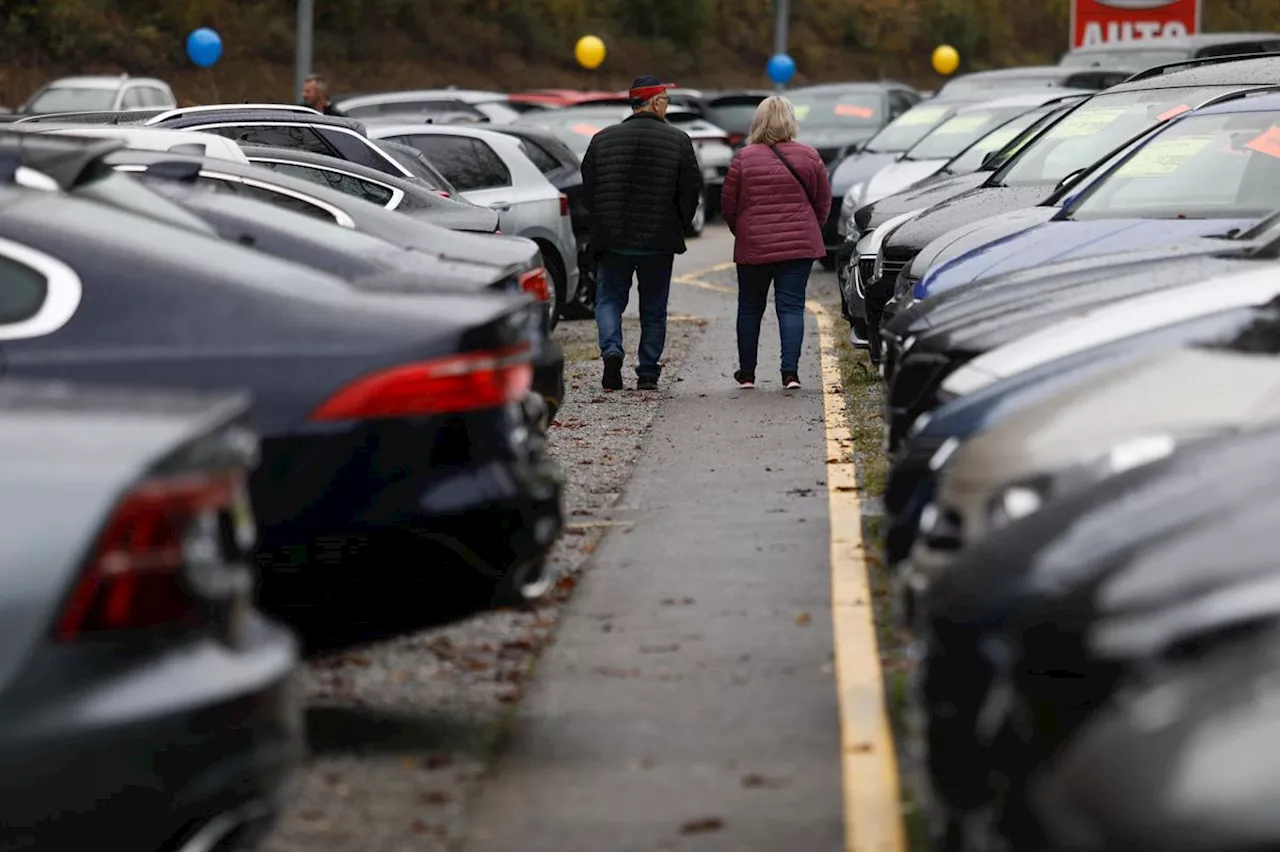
1168	114
1268	143
585	129
855	111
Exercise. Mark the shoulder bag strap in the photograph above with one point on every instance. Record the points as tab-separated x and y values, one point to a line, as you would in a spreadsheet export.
795	174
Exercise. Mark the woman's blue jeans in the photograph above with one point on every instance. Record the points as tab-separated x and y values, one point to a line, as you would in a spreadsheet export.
789	278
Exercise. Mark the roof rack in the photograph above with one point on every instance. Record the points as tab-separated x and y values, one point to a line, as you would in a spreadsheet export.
180	111
1238	94
1157	70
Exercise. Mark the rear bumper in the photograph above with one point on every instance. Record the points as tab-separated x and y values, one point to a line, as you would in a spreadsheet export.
160	746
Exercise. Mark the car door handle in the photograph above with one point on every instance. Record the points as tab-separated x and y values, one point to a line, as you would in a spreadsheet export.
500	206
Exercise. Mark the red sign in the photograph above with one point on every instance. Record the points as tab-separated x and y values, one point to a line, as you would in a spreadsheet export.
1095	23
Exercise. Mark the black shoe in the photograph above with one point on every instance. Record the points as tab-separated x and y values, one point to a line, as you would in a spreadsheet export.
744	379
791	381
647	383
612	373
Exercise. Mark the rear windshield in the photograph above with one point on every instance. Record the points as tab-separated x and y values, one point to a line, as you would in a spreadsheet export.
1203	167
837	110
909	128
960	131
1097	127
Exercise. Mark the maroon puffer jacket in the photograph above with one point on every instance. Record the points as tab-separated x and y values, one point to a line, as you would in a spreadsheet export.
767	209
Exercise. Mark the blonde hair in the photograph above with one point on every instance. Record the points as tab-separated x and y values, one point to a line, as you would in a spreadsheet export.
774	122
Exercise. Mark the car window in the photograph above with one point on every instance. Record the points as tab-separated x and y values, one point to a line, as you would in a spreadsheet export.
540	156
1207	166
293	136
67	99
467	163
828	110
22	291
287	202
735	117
345	183
971	159
959	132
899	103
1097	127
134	98
909	128
156	97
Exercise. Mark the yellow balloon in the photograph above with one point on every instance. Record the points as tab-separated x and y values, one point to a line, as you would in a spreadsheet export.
945	59
589	51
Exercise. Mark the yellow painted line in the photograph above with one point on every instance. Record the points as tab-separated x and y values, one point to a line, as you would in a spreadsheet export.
872	802
692	281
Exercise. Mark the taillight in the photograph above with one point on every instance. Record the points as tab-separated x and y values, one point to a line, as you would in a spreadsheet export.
444	386
564	204
443	193
735	138
535	282
134	578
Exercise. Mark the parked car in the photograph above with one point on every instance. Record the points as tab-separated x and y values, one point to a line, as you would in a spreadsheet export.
148	139
492	107
347	385
491	169
99	93
144	696
1086	134
1140	54
837	118
418	165
733	111
978	85
343	138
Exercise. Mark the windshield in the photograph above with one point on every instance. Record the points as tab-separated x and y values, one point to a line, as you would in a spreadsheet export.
1095	128
67	99
1123	59
908	128
1001	83
960	131
837	110
971	159
736	118
1203	167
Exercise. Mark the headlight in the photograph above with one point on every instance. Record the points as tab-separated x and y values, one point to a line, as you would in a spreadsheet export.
1014	504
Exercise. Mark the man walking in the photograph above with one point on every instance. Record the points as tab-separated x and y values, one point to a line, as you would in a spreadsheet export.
315	94
641	185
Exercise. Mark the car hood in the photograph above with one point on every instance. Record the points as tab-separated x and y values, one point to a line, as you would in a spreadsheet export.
900	175
979	203
1051	242
858	168
1185	393
975	235
930	191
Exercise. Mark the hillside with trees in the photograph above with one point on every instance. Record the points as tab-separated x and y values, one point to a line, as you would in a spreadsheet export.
372	44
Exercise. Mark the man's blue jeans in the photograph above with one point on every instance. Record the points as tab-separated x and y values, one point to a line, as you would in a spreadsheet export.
790	279
613	290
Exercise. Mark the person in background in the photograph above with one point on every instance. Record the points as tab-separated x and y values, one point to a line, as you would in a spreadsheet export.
776	197
641	185
315	94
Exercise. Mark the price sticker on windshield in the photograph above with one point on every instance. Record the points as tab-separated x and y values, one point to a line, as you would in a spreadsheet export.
1268	143
962	124
802	111
855	111
1085	122
997	139
1163	156
585	129
925	115
1173	113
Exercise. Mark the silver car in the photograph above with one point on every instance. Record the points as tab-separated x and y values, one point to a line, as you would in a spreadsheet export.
490	169
100	94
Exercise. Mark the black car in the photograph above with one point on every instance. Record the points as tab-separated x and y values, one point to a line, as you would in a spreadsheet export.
837	118
732	110
1076	141
399	479
144	702
953	328
1034	630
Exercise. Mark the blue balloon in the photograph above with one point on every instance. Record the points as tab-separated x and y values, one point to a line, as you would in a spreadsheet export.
204	46
781	68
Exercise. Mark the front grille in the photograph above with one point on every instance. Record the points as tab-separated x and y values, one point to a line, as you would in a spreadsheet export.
914	383
892	268
865	267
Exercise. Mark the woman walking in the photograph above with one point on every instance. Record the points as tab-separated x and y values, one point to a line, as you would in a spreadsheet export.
776	197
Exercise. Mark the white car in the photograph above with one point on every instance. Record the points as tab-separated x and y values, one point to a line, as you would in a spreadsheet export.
485	106
1109	323
490	169
154	139
100	94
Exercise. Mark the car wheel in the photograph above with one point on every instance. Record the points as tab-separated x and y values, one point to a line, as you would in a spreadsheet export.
555	269
699	218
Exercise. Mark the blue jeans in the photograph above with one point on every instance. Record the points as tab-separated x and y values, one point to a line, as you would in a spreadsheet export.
789	280
613	290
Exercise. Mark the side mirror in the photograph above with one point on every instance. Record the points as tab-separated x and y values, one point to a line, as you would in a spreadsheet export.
1069	180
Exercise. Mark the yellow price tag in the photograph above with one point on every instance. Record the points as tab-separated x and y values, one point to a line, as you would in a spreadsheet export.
1163	156
997	138
1085	122
920	115
802	111
962	124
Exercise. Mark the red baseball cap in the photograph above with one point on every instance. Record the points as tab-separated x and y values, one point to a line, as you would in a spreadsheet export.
648	86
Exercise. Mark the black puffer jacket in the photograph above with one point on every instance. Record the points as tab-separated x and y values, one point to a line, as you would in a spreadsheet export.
641	184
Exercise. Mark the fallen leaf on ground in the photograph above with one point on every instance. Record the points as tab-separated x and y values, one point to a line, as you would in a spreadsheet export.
399	675
590	547
418	826
437	761
755	780
861	748
437	797
658	649
804	619
702	826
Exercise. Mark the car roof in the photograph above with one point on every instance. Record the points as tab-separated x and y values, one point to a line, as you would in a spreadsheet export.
296	155
1034	98
1247	70
1268	101
444	130
202	110
1190	42
98	81
68	160
260	116
819	88
152	138
470	96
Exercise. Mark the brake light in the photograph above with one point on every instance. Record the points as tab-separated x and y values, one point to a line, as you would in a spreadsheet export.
134	578
535	282
735	138
443	193
445	386
564	204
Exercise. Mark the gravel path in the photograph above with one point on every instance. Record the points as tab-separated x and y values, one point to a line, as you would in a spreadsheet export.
402	732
